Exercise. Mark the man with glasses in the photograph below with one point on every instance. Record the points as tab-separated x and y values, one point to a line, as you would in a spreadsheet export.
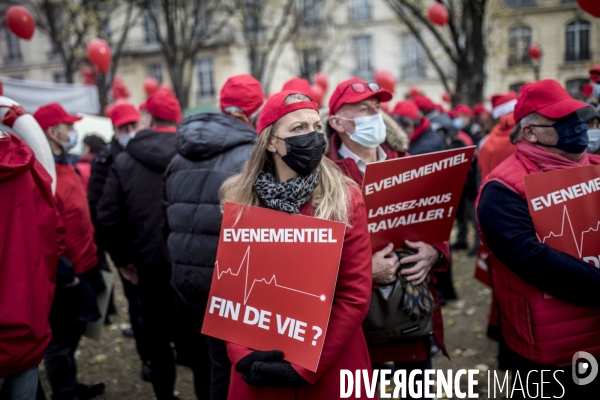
360	134
548	300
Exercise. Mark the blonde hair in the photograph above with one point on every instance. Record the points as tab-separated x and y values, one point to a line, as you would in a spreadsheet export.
331	197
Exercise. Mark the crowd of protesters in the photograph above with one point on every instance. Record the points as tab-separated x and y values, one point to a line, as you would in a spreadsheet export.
151	200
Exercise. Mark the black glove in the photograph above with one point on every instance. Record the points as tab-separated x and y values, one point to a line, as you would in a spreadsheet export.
245	363
279	374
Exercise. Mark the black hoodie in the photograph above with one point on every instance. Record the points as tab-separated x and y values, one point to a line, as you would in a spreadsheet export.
212	147
130	216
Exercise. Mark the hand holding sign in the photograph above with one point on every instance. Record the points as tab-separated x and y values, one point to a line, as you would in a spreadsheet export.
267	290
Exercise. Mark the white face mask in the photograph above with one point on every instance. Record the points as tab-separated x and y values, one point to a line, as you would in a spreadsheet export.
67	146
594	137
370	130
124	138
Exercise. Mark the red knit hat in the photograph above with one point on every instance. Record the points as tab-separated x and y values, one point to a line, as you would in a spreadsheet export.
503	103
53	114
424	103
275	108
548	98
124	113
355	90
407	109
244	92
463	109
162	104
299	85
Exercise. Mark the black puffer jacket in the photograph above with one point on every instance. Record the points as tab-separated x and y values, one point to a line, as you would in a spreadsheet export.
428	142
100	167
212	147
130	215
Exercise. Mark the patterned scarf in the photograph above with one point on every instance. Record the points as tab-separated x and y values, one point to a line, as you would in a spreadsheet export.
287	196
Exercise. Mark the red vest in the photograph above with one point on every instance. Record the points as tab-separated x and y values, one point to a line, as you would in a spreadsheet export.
543	329
72	205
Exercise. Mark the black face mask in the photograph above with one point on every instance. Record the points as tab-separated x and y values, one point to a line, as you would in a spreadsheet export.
304	152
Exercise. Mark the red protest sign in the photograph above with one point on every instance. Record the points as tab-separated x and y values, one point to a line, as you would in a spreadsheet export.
273	283
415	198
564	208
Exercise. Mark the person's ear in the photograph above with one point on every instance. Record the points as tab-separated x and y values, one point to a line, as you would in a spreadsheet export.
271	146
51	133
336	124
528	134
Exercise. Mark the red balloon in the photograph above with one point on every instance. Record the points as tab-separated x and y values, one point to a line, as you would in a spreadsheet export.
108	110
118	89
590	6
535	52
386	80
165	86
150	85
322	80
99	53
20	22
88	76
414	92
318	94
438	14
446	97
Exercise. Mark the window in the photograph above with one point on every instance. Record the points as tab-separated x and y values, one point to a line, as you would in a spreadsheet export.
149	28
253	24
578	41
520	3
574	87
363	55
310	63
206	88
359	10
519	40
14	48
312	14
413	57
515	87
59	77
155	70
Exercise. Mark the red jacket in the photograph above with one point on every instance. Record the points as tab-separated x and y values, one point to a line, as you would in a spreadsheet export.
74	210
344	346
496	147
547	331
407	350
31	243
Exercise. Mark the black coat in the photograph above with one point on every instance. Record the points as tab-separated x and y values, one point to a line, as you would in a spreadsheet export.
212	147
428	142
130	215
100	166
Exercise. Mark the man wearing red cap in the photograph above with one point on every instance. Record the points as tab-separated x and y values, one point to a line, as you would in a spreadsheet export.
126	123
423	139
464	121
211	148
548	300
31	244
78	278
357	136
130	221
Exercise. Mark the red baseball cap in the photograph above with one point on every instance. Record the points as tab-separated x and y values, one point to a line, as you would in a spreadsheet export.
143	106
299	85
424	103
463	109
478	109
53	114
242	91
548	98
595	73
162	104
275	108
351	91
124	113
407	109
503	103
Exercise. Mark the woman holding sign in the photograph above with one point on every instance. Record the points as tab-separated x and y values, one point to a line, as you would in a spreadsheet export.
287	172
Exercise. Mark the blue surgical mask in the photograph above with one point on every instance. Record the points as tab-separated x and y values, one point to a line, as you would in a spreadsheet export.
369	131
572	134
67	146
594	138
458	123
124	138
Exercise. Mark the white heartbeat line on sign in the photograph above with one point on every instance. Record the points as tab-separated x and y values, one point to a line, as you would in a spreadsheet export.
273	279
579	244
